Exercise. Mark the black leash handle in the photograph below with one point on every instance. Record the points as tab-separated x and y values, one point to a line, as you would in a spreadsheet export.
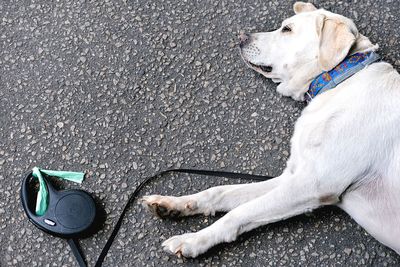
132	197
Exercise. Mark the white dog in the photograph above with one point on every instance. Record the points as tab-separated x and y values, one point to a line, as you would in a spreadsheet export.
345	150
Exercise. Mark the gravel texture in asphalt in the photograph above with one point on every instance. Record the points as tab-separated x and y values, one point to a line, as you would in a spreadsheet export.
123	89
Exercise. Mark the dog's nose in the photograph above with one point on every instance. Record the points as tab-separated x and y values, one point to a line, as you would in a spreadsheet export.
244	39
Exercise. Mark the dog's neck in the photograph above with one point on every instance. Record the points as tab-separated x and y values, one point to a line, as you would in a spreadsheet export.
344	70
298	85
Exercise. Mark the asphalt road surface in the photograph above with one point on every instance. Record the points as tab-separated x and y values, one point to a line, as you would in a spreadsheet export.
123	89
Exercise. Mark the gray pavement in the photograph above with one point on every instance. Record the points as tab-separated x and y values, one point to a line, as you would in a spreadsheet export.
122	89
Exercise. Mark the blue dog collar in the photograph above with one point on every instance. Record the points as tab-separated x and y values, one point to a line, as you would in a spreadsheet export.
348	67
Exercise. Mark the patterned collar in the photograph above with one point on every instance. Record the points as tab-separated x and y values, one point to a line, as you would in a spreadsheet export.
330	79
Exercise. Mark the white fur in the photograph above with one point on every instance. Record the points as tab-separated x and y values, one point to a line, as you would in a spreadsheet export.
345	150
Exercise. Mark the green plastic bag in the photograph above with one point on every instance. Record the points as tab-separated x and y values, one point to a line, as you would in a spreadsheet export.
42	198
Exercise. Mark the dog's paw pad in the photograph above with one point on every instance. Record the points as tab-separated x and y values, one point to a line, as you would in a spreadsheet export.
183	245
167	207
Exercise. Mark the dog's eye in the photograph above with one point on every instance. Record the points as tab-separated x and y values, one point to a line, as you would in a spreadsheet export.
286	29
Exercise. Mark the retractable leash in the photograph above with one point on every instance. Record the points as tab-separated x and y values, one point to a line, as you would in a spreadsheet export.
70	213
67	214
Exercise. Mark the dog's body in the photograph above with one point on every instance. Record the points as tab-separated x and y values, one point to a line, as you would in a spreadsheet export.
345	150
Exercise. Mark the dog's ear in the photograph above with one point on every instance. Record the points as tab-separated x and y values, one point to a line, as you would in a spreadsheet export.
335	41
300	7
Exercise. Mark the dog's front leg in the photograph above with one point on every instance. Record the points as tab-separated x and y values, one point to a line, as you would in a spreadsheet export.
215	199
293	196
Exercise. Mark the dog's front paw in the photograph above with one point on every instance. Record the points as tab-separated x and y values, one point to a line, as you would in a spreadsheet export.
167	206
295	92
188	245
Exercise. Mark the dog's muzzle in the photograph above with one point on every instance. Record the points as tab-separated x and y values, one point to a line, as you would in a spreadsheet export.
250	51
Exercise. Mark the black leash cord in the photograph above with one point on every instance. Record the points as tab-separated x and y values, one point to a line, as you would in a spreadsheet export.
142	184
76	250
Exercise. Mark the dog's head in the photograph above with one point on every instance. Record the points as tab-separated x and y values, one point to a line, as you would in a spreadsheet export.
312	41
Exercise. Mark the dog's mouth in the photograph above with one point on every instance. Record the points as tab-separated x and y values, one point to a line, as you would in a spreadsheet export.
264	68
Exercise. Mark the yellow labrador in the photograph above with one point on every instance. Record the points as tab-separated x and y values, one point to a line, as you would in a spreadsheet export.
345	150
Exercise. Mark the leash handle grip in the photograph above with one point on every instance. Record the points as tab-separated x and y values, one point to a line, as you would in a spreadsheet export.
25	195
